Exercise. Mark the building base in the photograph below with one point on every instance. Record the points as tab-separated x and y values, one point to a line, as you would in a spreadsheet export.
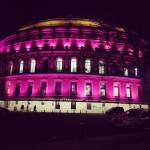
67	106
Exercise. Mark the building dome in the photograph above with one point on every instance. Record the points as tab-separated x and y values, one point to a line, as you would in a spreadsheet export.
80	22
72	65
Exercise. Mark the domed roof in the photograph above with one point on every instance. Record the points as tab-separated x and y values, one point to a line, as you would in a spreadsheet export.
69	22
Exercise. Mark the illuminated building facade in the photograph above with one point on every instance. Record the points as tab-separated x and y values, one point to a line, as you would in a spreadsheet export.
72	65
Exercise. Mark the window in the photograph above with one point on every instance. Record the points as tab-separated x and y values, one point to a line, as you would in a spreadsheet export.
59	65
21	66
89	106
128	91
126	72
88	89
73	88
101	67
51	47
42	102
16	102
17	88
10	68
29	102
32	66
30	88
73	105
67	47
103	104
136	72
114	69
45	66
57	105
103	90
87	66
73	65
81	47
43	88
116	90
58	88
8	88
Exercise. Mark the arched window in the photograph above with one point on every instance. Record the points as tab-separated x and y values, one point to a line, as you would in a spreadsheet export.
45	66
87	66
17	89
59	65
136	72
32	66
128	91
116	90
103	90
88	89
21	66
44	84
8	88
73	65
10	68
101	67
73	88
58	88
126	72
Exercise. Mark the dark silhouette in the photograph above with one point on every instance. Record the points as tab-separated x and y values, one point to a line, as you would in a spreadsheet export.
15	108
22	107
34	109
27	108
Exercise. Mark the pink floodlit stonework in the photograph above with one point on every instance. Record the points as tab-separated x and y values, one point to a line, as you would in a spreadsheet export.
68	67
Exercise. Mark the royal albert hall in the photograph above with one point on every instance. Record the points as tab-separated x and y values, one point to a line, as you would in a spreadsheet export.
72	66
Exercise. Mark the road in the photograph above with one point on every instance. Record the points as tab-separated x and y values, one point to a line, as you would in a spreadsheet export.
20	131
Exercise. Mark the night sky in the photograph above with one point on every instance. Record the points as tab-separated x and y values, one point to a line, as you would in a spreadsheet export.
132	14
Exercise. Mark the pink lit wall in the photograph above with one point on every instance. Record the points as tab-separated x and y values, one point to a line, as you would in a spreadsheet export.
81	81
47	32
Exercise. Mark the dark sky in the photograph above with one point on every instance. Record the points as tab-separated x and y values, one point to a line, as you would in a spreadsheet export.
133	14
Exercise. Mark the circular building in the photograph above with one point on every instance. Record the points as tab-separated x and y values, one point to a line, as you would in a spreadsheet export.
72	65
